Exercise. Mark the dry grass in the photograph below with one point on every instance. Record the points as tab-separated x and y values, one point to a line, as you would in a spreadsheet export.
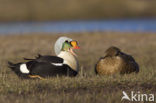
41	10
86	87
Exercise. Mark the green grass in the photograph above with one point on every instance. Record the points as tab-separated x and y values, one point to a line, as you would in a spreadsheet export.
46	10
86	87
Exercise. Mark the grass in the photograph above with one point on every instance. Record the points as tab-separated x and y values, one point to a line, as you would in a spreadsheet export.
86	87
46	10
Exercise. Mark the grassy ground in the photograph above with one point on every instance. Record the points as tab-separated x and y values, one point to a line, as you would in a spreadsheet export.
41	10
86	87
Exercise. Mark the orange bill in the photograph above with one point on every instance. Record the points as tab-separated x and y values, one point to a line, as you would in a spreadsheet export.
75	45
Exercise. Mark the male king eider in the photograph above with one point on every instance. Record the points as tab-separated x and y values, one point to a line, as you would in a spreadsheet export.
116	61
65	63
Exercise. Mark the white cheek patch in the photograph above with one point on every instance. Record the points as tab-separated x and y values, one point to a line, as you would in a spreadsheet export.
24	69
57	64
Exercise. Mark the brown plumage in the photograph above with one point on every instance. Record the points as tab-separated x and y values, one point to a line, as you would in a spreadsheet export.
116	61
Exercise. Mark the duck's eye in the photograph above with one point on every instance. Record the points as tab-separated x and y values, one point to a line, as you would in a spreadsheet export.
66	41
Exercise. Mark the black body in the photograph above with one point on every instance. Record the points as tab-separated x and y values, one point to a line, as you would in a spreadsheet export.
44	67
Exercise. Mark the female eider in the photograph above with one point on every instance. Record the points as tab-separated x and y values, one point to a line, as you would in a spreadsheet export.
65	63
116	61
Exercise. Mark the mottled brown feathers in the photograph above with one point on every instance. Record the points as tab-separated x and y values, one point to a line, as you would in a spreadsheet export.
116	61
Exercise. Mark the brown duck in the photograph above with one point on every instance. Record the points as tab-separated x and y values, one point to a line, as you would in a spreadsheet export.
115	61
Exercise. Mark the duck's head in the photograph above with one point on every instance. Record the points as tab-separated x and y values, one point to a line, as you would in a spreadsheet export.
112	51
69	46
60	41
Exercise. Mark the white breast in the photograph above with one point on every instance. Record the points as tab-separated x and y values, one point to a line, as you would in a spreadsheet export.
69	59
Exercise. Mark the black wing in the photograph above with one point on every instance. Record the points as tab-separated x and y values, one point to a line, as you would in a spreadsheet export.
47	58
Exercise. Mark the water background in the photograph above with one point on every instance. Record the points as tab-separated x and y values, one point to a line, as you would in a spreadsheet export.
126	25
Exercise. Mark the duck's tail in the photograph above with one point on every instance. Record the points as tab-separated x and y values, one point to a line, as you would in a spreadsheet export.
13	66
16	69
10	64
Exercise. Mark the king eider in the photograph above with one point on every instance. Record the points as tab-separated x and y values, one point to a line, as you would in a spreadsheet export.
64	64
115	61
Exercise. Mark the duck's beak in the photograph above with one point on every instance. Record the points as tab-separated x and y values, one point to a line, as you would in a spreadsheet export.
75	45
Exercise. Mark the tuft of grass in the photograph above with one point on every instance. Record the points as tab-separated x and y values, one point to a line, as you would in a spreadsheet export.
86	87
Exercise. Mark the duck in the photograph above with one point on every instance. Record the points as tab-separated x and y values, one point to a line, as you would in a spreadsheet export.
115	61
63	64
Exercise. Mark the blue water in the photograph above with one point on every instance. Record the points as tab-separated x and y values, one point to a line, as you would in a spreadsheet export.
134	25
